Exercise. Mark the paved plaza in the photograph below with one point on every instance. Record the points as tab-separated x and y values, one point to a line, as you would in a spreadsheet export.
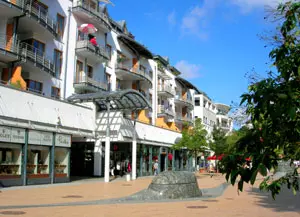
96	198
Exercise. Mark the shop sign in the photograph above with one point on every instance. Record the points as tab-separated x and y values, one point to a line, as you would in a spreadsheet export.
5	134
46	138
63	140
11	134
39	138
17	135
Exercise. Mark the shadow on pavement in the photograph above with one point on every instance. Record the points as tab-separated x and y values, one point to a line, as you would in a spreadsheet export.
286	201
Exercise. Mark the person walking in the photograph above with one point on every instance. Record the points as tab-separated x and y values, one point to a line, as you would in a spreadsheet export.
155	168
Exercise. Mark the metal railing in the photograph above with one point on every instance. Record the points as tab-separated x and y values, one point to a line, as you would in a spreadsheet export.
187	118
184	99
38	57
166	88
86	44
178	116
42	15
92	10
85	79
9	43
125	67
163	110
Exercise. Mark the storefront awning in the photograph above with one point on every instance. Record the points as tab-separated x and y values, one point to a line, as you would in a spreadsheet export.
131	43
119	100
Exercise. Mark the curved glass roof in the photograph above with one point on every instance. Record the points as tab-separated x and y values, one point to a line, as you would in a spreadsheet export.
119	100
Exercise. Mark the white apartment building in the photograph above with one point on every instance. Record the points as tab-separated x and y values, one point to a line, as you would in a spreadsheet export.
223	119
69	108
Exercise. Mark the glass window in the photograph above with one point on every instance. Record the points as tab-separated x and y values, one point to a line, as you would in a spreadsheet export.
108	50
197	102
35	86
10	160
38	158
79	71
57	62
55	92
61	161
60	25
90	71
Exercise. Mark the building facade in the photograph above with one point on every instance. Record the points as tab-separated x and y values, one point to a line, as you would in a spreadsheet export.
45	60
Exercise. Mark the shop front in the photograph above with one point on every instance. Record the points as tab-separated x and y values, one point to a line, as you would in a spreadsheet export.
29	157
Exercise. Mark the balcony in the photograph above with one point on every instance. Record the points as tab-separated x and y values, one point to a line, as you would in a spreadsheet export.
8	49
178	117
187	119
91	14
184	101
163	75
11	8
165	90
94	54
33	58
37	20
163	111
125	72
84	83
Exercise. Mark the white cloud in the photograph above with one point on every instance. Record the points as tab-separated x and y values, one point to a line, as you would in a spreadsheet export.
188	70
248	5
172	18
195	21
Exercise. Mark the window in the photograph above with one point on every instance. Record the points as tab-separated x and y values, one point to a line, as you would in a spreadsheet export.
79	71
197	102
55	92
90	71
108	50
35	86
60	25
57	62
142	69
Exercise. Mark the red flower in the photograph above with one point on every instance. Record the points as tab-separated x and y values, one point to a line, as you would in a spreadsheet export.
261	139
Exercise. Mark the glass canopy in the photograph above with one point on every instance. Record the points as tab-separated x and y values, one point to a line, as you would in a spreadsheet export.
118	100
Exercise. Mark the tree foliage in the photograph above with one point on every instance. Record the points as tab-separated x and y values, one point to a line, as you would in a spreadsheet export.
193	139
273	104
218	144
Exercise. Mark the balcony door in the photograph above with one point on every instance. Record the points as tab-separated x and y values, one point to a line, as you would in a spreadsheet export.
79	71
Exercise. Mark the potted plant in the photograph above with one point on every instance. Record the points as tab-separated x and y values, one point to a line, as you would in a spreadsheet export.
30	168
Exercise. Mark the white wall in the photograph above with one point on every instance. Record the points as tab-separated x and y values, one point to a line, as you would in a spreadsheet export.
27	106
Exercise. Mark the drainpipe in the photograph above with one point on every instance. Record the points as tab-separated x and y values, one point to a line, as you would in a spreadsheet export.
67	51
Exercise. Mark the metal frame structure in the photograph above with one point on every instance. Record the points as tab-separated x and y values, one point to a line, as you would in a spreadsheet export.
118	100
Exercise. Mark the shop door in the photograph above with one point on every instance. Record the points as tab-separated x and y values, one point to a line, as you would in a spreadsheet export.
82	159
162	162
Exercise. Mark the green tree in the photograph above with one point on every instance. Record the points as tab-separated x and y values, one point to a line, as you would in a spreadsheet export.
273	104
218	144
194	139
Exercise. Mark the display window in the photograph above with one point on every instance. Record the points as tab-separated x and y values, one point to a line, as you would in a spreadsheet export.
61	162
38	161
10	160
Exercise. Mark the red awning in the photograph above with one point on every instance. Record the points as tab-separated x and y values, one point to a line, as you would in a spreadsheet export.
215	157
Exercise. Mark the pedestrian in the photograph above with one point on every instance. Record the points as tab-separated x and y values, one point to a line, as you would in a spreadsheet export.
155	167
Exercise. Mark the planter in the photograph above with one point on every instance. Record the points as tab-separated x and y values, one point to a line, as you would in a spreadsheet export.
60	168
42	168
30	168
11	169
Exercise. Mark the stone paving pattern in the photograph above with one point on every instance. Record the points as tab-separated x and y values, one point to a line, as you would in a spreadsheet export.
251	202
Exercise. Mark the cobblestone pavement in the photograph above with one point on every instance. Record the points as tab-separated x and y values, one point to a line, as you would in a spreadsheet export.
251	202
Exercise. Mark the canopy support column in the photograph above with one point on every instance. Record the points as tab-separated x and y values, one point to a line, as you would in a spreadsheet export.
107	144
134	149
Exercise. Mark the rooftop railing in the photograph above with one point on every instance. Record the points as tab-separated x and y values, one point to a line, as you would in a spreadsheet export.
92	10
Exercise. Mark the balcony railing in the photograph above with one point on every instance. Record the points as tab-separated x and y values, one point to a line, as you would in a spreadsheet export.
166	88
87	80
35	10
9	44
184	99
125	67
163	110
86	45
91	11
187	118
28	52
178	116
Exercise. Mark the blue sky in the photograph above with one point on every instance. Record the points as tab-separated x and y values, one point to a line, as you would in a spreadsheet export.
213	42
